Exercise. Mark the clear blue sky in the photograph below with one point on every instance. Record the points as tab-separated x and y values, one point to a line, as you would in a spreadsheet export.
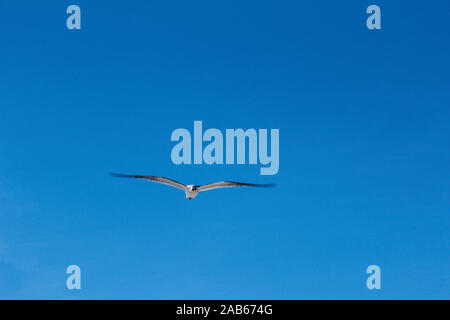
364	149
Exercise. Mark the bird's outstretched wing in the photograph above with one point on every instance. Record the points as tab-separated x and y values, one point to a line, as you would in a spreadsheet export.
162	180
226	184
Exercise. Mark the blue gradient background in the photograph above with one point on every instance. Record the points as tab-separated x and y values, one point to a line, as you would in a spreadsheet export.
364	149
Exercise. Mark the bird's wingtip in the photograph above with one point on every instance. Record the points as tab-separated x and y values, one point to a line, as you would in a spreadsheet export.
120	175
269	185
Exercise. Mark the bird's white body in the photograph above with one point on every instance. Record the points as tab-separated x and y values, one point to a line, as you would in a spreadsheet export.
191	190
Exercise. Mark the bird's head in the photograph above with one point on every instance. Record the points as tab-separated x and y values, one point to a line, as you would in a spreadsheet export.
192	187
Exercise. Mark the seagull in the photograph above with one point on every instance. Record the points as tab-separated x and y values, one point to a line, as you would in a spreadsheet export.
192	190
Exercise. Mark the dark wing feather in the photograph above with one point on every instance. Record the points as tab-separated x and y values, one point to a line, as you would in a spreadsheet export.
227	184
162	180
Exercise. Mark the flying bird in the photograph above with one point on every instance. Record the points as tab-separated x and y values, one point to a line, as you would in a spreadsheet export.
192	190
